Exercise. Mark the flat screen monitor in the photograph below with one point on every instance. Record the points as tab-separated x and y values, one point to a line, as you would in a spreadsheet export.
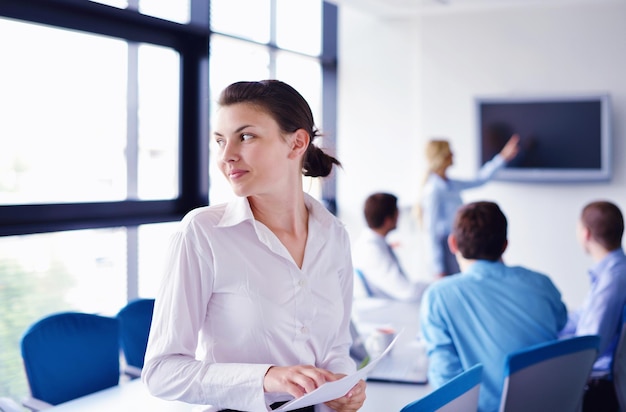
562	138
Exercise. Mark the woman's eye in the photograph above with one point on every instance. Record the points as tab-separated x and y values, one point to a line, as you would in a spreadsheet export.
220	142
246	136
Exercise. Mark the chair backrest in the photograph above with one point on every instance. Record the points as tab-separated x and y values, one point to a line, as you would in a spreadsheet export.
68	355
459	394
366	287
135	319
550	376
619	365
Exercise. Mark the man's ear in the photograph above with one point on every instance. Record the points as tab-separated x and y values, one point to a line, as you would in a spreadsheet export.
452	244
299	143
506	244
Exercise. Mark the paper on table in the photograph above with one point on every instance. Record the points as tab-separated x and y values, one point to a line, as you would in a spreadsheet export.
335	389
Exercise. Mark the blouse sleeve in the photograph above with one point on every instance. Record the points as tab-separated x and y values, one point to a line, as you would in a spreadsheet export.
485	174
171	369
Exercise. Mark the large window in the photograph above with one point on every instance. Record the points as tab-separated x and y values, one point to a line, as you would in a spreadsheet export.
105	117
270	41
77	127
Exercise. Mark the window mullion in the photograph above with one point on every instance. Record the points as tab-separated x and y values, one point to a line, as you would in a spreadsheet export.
132	122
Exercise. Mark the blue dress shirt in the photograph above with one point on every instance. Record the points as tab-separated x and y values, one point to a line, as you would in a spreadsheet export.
601	312
482	315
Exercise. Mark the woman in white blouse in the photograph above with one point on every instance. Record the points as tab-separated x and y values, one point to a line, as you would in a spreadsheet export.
255	304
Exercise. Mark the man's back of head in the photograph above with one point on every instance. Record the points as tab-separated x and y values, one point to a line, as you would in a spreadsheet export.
480	229
378	208
605	222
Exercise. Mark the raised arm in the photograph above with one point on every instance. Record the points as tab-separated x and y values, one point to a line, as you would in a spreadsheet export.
511	148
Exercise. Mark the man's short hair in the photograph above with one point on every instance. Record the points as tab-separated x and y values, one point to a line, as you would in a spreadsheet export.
480	231
605	222
378	207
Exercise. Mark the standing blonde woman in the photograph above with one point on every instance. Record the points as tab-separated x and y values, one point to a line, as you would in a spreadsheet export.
255	304
441	197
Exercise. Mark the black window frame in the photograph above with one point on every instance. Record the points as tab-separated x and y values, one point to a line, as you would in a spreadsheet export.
192	42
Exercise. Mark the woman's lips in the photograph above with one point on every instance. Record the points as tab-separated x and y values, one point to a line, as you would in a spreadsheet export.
236	173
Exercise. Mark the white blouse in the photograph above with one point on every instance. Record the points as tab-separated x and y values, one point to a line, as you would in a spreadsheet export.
233	302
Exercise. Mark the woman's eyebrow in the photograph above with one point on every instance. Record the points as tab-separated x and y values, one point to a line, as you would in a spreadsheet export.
239	129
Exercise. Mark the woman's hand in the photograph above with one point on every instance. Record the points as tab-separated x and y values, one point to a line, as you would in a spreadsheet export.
511	148
351	401
296	380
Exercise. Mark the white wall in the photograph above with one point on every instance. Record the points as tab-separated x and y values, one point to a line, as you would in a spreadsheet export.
404	81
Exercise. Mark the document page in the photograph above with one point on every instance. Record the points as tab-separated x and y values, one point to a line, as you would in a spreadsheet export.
335	389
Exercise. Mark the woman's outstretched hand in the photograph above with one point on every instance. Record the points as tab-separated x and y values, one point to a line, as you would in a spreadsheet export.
511	148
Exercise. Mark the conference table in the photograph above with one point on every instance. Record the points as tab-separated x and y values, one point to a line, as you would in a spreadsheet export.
370	314
133	396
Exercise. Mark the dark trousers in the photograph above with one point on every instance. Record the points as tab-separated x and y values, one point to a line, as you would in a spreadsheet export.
600	396
450	264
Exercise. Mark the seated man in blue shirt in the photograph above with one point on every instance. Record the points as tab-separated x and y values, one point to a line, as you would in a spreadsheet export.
600	231
489	309
375	258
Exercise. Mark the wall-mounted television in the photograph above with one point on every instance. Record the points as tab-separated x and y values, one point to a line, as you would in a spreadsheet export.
562	138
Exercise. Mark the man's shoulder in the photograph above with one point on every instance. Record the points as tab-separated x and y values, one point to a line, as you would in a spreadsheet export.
475	279
449	284
527	273
616	263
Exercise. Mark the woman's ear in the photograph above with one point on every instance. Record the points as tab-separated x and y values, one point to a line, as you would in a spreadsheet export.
299	143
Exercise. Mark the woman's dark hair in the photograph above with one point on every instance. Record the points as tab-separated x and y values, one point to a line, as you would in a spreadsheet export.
290	110
378	207
605	222
480	230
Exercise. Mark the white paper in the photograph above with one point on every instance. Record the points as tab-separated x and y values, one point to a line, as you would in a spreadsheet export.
335	389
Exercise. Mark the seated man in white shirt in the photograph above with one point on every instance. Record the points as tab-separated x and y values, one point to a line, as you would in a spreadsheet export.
374	257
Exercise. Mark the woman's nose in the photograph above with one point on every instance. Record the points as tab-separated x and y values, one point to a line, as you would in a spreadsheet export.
229	152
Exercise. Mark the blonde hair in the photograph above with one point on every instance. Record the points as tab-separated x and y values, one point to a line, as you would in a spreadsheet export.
437	152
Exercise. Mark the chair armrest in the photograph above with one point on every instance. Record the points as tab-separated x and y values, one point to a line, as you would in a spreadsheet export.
9	405
132	371
35	404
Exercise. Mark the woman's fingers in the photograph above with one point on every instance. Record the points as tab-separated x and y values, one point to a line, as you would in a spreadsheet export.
295	380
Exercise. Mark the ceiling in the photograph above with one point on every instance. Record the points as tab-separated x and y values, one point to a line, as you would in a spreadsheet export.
404	8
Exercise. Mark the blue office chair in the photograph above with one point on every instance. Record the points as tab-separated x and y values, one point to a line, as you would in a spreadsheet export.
550	376
135	319
459	394
619	366
68	355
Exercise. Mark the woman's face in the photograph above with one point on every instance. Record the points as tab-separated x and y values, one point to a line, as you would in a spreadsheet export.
253	155
448	159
